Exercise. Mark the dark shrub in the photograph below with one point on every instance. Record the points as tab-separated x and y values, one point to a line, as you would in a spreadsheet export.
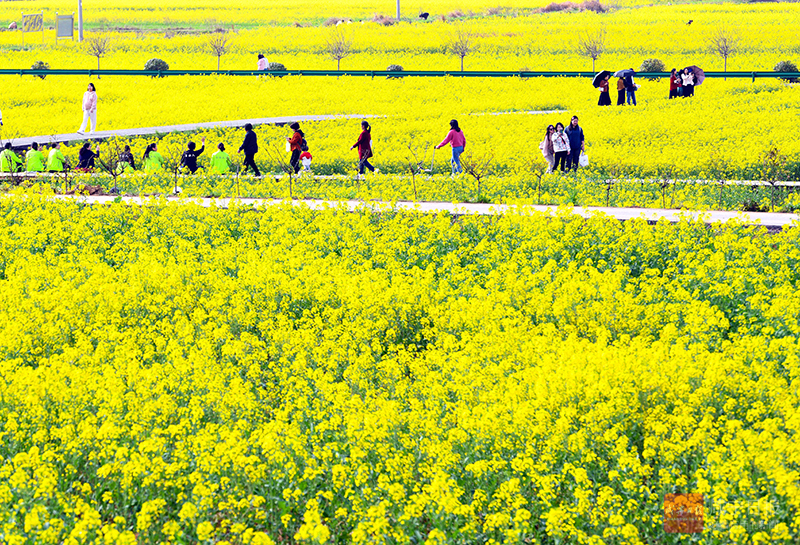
786	66
156	64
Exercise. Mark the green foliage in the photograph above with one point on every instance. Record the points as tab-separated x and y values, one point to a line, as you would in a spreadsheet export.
40	65
156	64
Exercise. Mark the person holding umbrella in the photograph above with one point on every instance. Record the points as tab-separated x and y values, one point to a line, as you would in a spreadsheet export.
601	82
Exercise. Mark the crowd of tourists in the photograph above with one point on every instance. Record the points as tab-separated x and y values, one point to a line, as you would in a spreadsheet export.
681	84
34	159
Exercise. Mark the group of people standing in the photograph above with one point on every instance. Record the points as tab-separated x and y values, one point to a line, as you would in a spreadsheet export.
681	84
626	87
563	147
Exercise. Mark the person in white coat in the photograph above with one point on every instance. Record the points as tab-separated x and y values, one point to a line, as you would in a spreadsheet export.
89	109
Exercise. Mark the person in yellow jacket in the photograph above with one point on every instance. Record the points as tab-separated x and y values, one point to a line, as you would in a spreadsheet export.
152	161
9	162
34	159
221	161
56	160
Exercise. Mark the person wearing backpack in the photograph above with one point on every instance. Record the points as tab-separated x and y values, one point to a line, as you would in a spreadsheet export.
250	148
297	145
364	145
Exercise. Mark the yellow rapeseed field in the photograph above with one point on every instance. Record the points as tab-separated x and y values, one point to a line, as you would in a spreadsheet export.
177	374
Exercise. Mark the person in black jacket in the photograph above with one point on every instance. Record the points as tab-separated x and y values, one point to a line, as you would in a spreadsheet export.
189	157
250	148
86	157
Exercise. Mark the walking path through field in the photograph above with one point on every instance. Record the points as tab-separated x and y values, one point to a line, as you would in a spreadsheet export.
650	214
145	131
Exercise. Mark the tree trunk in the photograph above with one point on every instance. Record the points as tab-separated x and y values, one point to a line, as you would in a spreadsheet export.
217	62
725	69
462	63
338	62
593	59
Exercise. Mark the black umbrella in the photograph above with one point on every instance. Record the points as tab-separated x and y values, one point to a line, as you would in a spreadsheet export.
600	77
624	73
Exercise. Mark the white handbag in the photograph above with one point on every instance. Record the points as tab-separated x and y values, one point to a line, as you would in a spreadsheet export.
583	160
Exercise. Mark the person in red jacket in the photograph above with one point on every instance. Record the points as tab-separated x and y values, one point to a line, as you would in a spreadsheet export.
674	84
295	146
364	145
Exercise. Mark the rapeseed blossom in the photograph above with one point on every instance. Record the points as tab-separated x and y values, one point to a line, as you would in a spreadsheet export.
173	372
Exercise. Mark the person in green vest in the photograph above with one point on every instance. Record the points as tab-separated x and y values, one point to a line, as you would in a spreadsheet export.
34	159
56	160
9	162
152	160
221	161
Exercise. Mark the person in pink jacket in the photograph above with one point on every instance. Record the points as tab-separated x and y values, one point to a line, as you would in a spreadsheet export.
89	109
457	141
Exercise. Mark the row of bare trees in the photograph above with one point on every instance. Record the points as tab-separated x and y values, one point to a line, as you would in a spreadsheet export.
723	42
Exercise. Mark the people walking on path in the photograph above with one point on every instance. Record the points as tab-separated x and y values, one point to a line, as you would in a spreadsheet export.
262	63
457	142
688	82
561	147
89	109
189	157
250	148
364	145
295	146
605	97
575	134
152	161
630	88
220	161
9	161
34	159
86	157
56	162
546	146
675	84
620	92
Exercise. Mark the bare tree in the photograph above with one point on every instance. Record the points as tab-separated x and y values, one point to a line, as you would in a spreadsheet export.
477	165
460	45
279	159
724	43
415	161
339	44
98	46
219	46
592	45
